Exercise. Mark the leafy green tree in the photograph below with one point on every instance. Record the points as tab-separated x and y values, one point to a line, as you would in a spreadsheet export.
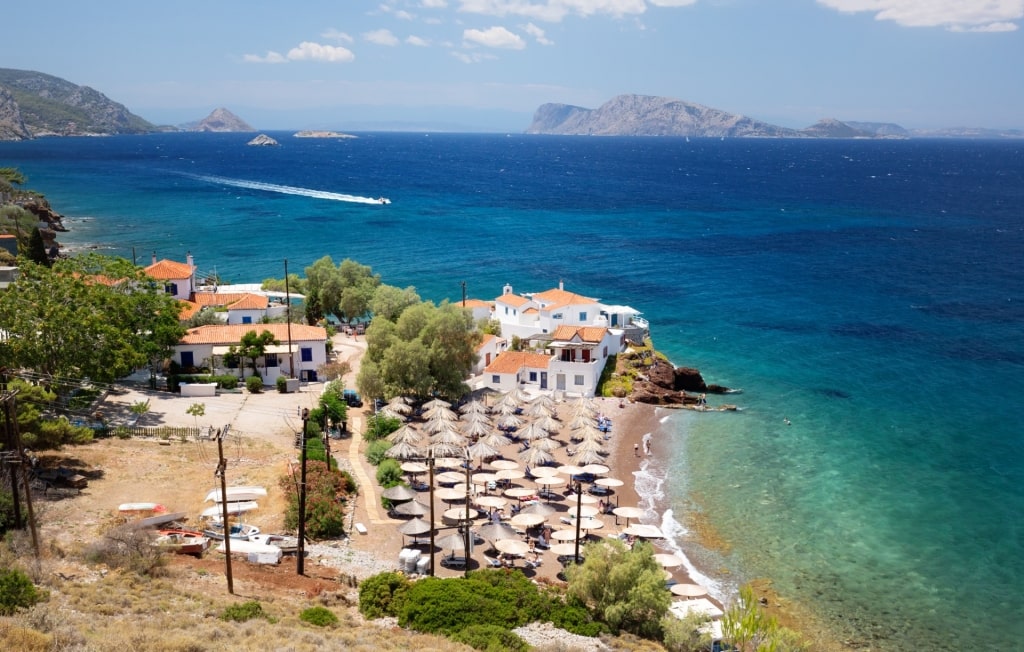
333	407
37	248
428	350
382	594
254	345
42	433
359	284
623	588
296	284
389	301
389	473
10	177
206	317
87	317
380	426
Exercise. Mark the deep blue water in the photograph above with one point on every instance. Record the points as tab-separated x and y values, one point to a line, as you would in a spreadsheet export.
869	292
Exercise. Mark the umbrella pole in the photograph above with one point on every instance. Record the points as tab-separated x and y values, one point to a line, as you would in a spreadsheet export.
466	526
579	504
430	471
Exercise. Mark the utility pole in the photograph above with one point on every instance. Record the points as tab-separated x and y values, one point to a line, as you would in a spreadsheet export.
430	478
466	534
579	506
14	437
463	294
222	465
300	562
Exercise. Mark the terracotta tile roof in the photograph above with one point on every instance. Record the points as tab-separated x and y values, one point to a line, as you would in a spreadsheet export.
513	300
169	270
511	362
250	302
478	303
232	333
592	334
556	297
216	298
487	339
188	310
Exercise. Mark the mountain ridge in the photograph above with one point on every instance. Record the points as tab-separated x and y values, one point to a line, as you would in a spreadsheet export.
650	115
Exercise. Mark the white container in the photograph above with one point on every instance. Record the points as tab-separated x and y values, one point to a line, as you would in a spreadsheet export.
423	565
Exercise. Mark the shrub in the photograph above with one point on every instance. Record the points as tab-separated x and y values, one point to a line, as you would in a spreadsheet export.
379	427
226	381
282	384
16	591
243	611
490	638
254	384
382	594
319	616
326	492
315	452
130	549
389	472
375	451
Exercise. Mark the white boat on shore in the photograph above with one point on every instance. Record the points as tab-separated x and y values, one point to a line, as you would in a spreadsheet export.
237	494
234	509
239	531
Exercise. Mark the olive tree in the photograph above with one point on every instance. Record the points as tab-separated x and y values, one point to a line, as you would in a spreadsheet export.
624	588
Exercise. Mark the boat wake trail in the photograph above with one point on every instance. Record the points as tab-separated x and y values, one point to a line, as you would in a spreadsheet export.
291	190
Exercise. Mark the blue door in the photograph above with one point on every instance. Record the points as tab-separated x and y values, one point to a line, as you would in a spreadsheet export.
543	380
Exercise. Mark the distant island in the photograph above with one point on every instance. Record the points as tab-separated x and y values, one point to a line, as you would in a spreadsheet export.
646	115
34	104
322	134
220	121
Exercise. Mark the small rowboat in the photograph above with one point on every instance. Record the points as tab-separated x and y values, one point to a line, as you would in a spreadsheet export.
183	542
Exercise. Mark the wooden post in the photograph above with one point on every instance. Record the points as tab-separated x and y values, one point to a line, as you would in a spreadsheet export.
222	465
300	562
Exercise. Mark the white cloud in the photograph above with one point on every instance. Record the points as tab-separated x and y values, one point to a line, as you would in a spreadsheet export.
337	35
270	57
538	34
404	15
472	57
673	3
434	4
417	41
955	15
494	37
553	11
381	37
307	51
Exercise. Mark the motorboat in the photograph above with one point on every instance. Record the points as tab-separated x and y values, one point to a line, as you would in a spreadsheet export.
183	542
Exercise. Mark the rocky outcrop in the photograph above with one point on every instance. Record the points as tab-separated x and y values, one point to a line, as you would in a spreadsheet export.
48	105
644	115
322	134
263	140
220	120
663	384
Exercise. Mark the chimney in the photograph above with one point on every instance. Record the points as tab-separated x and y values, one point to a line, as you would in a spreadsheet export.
188	259
561	285
154	257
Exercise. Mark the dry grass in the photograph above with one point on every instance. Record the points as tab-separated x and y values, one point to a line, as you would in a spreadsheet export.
120	611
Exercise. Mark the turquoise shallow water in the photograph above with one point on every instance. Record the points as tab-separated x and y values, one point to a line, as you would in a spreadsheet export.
868	292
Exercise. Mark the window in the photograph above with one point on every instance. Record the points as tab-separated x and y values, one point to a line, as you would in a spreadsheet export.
496	379
171	288
578	379
306	353
557	315
188	359
533	376
506	310
246	319
583	317
271	359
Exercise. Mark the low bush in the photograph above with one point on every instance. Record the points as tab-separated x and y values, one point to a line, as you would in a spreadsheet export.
379	427
254	384
16	591
243	611
282	384
382	594
130	549
375	451
389	473
319	616
490	638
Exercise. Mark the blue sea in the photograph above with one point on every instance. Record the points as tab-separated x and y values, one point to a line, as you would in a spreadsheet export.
867	296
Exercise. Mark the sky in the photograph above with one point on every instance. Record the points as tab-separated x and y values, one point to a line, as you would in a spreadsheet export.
487	65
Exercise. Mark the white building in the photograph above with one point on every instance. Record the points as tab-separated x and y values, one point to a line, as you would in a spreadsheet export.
206	346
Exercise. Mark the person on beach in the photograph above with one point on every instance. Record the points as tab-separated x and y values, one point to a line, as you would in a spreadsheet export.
647	446
636	450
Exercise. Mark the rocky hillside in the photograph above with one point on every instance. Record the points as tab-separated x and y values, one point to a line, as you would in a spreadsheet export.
645	115
34	104
220	120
